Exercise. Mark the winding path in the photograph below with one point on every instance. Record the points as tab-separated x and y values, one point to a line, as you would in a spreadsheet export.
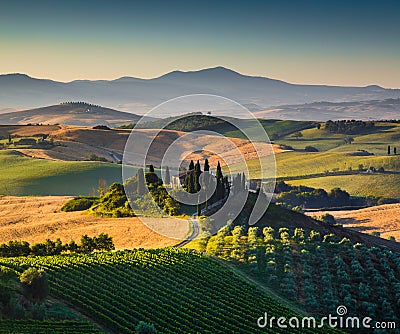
195	231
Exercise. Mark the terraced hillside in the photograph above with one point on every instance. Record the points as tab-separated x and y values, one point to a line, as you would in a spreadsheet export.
46	326
179	291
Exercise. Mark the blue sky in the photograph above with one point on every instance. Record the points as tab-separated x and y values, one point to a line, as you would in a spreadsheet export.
317	42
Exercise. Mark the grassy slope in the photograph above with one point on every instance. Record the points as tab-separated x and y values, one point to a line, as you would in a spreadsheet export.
27	176
334	154
380	185
289	164
374	141
179	291
272	127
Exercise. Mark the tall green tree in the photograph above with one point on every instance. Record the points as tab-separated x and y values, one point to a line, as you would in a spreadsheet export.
197	173
206	165
141	185
191	165
35	286
103	242
218	174
190	184
87	244
167	178
220	189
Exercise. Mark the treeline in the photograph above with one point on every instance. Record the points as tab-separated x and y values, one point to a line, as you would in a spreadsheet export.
147	194
349	127
307	197
389	120
14	248
126	126
80	104
193	183
191	122
199	122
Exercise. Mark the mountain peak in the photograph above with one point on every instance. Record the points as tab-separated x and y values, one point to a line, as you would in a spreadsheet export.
16	75
218	72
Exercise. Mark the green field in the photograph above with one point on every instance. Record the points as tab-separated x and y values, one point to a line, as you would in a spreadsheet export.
274	128
315	169
22	175
290	164
179	291
379	185
375	141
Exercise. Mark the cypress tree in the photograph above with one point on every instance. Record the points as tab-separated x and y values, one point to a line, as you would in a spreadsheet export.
167	178
218	175
141	186
243	185
191	165
206	166
220	190
206	176
187	181
191	186
226	185
238	182
197	173
152	178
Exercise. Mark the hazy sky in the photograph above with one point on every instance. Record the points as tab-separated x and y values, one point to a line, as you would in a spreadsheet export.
335	42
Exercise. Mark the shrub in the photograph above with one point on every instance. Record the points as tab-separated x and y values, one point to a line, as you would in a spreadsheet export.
101	127
35	285
145	328
327	218
311	149
95	157
79	204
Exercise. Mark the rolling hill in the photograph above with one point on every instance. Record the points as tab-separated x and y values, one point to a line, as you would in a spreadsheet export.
28	176
70	114
384	219
323	111
19	91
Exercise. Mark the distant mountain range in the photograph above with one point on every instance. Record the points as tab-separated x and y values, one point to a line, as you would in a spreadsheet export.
19	91
323	111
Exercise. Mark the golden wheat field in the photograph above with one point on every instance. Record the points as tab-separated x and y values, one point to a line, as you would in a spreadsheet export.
384	219
34	219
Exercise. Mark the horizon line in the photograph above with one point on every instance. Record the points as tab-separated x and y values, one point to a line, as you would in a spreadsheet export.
194	71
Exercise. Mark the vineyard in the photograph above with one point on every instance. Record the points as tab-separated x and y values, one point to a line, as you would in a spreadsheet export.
316	271
177	290
46	327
